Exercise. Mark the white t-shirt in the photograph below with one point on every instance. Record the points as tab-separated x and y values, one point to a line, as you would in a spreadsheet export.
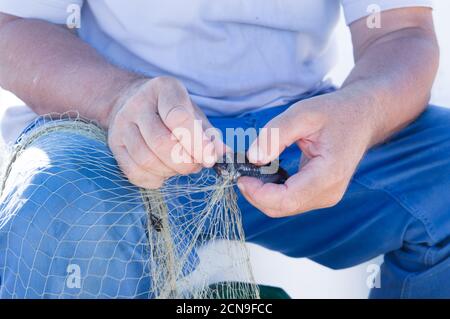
232	55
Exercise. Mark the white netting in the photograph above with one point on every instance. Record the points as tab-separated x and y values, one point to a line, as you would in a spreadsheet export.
71	225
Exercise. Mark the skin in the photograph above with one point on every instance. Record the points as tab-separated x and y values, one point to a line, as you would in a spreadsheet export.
52	70
389	87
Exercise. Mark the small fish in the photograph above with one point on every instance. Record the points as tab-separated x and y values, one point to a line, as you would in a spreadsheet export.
242	167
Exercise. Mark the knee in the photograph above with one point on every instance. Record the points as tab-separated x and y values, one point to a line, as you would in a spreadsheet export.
66	202
430	135
63	178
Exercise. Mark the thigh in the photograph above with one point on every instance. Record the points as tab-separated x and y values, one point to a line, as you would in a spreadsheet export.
413	167
71	224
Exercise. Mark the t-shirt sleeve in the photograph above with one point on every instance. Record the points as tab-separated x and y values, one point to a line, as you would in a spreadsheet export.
356	9
55	11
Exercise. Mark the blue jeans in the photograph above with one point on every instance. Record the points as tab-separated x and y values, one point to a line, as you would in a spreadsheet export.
397	204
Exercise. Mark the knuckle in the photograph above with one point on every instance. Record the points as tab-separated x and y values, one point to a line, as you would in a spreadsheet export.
170	85
160	142
165	80
126	169
132	178
178	117
120	117
146	161
149	182
150	163
185	169
154	184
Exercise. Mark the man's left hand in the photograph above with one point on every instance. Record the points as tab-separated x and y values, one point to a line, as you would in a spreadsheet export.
333	138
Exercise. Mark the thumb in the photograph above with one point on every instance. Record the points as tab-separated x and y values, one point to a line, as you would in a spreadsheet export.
282	131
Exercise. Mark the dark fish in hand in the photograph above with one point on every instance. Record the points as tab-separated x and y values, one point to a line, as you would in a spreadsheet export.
238	165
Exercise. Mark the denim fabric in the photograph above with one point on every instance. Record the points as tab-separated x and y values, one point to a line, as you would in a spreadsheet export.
397	204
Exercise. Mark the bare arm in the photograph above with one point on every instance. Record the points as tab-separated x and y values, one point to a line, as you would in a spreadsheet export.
388	88
52	70
395	67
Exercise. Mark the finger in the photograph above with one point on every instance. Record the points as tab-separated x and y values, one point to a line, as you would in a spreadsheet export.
164	144
142	155
302	192
281	132
252	189
215	135
135	174
178	114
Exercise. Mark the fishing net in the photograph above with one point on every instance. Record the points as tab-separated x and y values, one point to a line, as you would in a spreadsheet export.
72	226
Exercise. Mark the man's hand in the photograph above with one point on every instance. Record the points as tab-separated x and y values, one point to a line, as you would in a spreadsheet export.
389	86
143	133
333	139
147	119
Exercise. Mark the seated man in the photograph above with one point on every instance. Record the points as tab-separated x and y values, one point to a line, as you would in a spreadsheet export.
375	159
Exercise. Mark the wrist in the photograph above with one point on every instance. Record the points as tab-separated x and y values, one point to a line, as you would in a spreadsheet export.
118	95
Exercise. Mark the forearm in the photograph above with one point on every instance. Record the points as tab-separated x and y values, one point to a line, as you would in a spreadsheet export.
391	82
52	70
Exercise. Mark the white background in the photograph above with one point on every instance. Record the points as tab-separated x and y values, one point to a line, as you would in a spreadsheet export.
302	278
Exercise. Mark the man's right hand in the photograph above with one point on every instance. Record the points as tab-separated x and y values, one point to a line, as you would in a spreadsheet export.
155	131
144	117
